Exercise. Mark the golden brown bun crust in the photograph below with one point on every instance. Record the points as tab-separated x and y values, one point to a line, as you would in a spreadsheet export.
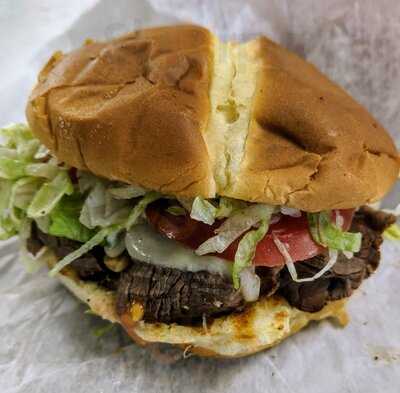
137	109
262	325
132	109
310	145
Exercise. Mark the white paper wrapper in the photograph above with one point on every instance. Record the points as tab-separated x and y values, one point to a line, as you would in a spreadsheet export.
47	342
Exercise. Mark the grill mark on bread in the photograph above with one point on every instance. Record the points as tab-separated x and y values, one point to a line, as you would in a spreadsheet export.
244	324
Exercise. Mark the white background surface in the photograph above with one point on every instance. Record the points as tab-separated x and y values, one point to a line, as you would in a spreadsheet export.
46	341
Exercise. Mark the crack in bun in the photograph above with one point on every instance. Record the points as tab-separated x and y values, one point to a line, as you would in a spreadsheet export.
174	109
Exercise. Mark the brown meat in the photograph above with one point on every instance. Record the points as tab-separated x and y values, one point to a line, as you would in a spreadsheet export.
172	295
89	266
347	274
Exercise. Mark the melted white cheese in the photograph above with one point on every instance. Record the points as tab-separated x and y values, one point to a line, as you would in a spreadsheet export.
146	245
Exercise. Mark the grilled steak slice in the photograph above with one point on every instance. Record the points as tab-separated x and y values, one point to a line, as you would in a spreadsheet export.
347	274
172	295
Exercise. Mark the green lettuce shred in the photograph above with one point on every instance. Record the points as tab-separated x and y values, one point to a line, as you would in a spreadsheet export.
246	250
140	207
64	220
393	232
97	239
329	235
176	210
49	195
203	210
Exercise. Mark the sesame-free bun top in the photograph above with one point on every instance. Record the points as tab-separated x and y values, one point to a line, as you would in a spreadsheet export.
173	109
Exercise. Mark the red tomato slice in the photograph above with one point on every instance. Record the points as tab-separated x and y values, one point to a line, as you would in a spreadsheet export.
292	231
180	228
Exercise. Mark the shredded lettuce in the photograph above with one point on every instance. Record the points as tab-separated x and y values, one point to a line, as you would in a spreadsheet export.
329	235
49	195
203	210
246	250
101	210
41	153
86	181
97	239
176	210
11	169
64	220
393	232
45	170
140	208
28	149
290	211
9	153
23	191
333	255
234	226
229	206
15	136
126	192
7	217
250	284
29	186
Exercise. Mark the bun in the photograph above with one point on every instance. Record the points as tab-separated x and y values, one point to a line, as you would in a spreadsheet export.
262	325
173	109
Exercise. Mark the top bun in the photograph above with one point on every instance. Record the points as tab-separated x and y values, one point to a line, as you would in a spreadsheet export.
175	110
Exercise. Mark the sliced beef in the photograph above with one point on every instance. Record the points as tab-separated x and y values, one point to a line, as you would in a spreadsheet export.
89	266
269	278
346	275
172	295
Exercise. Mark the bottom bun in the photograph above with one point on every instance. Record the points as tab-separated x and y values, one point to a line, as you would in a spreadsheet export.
261	325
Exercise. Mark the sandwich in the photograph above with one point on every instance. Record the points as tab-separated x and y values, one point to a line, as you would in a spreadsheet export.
213	196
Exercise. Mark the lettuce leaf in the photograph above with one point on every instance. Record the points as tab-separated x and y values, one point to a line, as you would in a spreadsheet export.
94	241
176	210
15	136
234	226
7	227
140	208
49	195
11	168
329	235
64	220
203	210
229	206
246	250
126	191
393	232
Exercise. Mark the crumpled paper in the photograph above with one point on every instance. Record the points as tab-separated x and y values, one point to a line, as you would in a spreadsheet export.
48	343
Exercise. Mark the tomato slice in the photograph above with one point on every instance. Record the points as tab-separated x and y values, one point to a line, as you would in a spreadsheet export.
180	228
292	231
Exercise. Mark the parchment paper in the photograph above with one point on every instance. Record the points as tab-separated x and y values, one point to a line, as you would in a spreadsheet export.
47	342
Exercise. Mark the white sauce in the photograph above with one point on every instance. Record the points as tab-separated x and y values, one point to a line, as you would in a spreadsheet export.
146	245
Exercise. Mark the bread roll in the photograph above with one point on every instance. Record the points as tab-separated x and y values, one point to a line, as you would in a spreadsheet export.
174	109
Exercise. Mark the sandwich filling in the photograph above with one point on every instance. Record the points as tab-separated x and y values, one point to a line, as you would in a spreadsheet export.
180	260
